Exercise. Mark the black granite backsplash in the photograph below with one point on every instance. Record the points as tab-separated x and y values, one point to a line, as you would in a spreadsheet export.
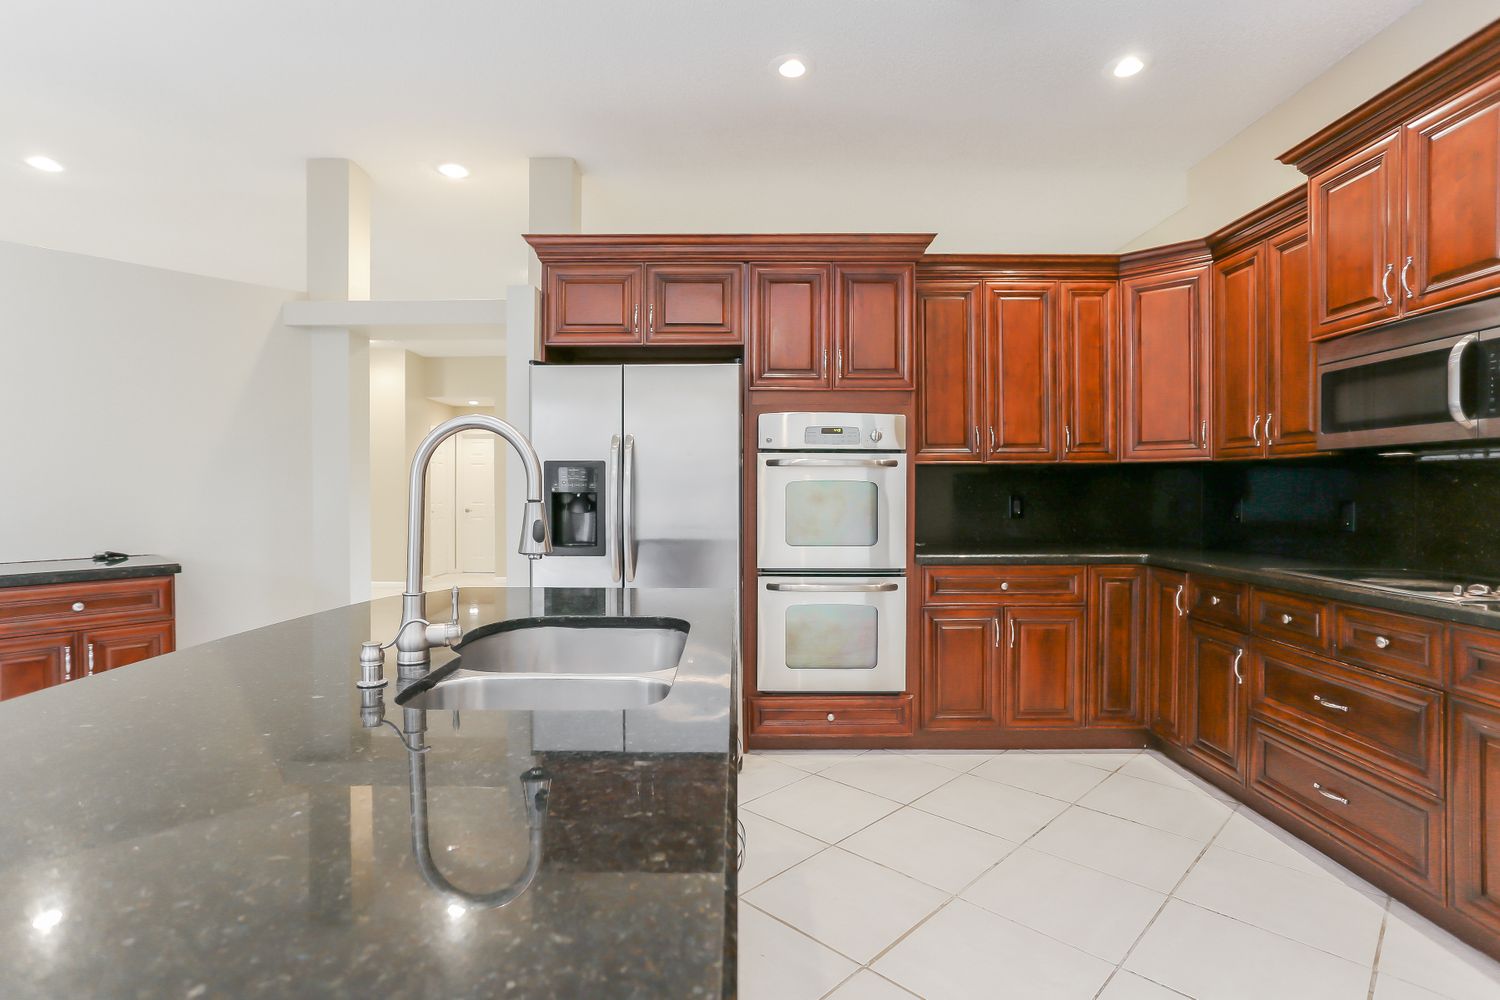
1439	516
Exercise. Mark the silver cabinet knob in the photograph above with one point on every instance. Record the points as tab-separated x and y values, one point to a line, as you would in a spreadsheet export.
1286	619
830	716
1005	586
77	605
1381	642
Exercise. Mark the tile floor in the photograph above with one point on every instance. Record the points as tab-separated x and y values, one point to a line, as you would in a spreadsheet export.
1051	876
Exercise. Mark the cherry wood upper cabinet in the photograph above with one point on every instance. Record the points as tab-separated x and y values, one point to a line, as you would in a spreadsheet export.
1291	407
1086	383
694	304
1166	376
1117	609
789	326
1166	629
30	663
1453	201
873	320
1019	360
1216	698
1238	298
1355	213
960	668
1042	685
1474	800
948	371
594	304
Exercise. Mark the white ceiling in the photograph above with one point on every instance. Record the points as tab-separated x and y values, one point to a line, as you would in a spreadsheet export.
184	124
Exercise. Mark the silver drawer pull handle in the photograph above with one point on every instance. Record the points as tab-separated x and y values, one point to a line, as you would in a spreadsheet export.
1330	704
1329	795
77	605
1381	642
830	716
833	588
1286	619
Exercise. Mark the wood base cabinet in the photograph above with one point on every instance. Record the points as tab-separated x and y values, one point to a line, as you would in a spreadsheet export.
961	663
1474	801
1166	644
33	662
1217	698
1042	684
1117	610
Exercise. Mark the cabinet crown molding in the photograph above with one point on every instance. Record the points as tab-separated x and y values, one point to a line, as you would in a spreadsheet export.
618	248
1165	258
1269	219
1019	266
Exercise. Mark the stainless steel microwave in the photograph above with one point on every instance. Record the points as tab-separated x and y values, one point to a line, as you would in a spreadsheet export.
1427	383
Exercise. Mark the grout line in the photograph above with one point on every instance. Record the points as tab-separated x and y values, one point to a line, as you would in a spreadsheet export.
1385	919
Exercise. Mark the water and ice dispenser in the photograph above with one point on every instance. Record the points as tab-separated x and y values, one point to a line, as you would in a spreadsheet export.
576	503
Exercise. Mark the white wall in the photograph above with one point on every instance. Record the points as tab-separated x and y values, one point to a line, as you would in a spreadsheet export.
157	412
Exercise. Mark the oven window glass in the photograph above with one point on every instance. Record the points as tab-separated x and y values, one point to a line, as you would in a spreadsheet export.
832	512
832	637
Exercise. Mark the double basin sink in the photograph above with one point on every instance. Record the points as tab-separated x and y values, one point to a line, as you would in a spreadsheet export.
558	663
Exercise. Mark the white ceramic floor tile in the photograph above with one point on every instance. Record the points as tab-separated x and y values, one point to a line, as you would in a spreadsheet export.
967	953
1248	833
937	851
777	963
889	775
1420	952
1391	988
852	905
1098	913
1009	813
1129	986
771	849
1106	760
1155	767
762	774
865	985
1316	911
821	808
956	760
809	760
1209	956
1140	854
1059	777
1185	812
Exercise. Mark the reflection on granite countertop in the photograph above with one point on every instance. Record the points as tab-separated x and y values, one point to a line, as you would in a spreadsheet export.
1293	575
39	572
217	823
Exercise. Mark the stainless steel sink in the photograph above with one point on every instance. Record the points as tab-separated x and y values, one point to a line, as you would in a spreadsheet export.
557	664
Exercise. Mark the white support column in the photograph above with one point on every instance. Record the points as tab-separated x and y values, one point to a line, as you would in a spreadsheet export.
338	230
556	201
523	309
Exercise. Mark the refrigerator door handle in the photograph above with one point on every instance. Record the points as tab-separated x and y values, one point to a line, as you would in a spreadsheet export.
611	521
627	507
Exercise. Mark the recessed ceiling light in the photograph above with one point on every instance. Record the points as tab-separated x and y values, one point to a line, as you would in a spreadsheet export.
473	402
453	171
1129	66
46	163
791	67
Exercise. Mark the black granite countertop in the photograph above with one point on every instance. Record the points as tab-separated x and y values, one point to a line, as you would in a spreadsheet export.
217	822
1295	575
43	571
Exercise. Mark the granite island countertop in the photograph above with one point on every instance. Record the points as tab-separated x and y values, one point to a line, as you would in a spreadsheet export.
217	822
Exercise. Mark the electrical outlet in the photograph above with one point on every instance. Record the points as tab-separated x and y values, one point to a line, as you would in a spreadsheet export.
1348	516
1238	514
1017	507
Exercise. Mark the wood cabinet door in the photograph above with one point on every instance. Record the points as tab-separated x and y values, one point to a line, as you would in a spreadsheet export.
593	304
789	309
1354	209
948	371
960	668
1019	335
694	304
1238	298
1167	381
32	662
1042	680
873	318
1473	803
1216	700
1166	631
1453	201
1291	401
1117	613
1086	386
119	645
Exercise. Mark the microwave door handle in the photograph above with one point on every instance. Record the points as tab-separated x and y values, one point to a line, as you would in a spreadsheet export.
1456	382
832	588
612	522
834	463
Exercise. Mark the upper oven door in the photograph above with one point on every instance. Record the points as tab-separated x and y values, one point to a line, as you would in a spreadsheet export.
831	511
1424	393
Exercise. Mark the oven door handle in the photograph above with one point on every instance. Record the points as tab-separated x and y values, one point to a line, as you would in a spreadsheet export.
1456	382
833	588
834	463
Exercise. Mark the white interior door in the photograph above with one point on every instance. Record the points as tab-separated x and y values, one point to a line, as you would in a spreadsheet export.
476	502
441	527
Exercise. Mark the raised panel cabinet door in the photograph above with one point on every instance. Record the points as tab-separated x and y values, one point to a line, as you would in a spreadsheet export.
789	311
1291	405
948	371
1086	388
694	304
1473	803
1453	201
593	304
1019	338
873	319
1354	209
1216	698
1168	383
1042	680
1238	298
1117	615
32	662
960	668
1166	632
107	648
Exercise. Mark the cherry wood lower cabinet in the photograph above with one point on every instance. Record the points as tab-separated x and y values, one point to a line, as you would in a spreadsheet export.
1042	681
1116	682
121	645
33	662
1217	698
1166	644
831	717
1474	803
961	663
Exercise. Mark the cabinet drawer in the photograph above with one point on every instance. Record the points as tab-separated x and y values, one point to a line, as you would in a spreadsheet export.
1389	723
1476	664
1218	601
1301	621
1003	584
1397	644
65	605
832	716
1398	830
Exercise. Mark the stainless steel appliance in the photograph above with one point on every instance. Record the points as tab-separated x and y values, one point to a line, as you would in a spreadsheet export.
640	474
831	552
1434	381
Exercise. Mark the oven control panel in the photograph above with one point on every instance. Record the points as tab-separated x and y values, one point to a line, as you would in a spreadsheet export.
832	432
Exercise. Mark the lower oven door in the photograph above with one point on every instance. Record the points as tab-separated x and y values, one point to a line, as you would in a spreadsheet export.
831	634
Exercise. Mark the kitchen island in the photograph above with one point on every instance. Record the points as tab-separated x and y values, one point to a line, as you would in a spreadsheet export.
226	821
